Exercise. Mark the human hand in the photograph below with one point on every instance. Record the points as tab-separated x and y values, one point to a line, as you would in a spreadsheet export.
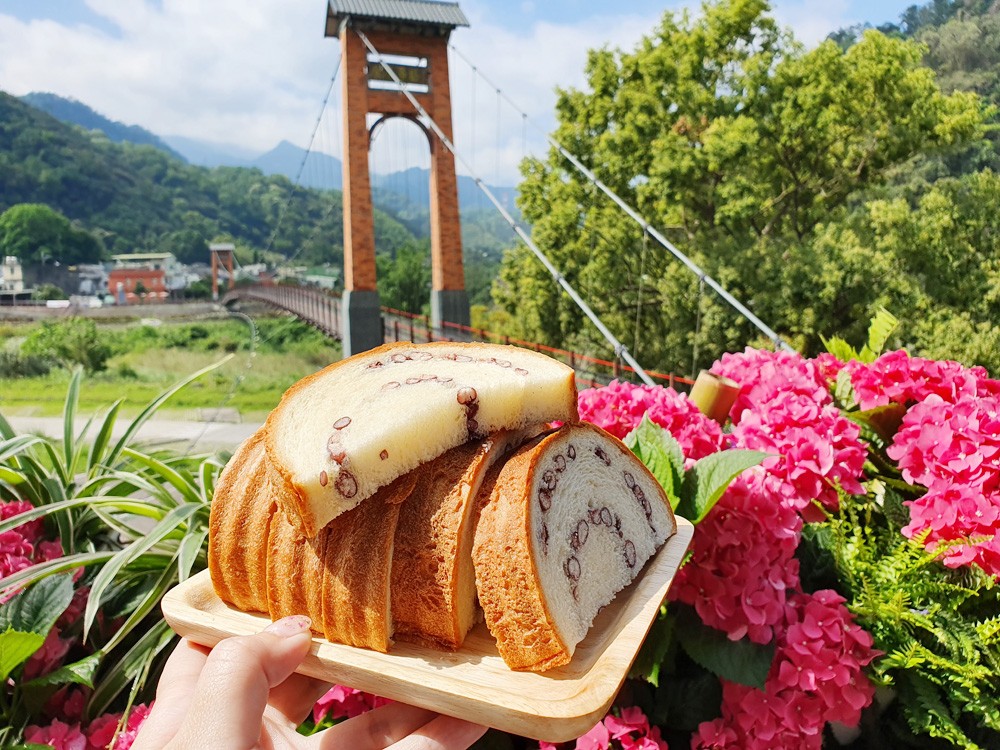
243	695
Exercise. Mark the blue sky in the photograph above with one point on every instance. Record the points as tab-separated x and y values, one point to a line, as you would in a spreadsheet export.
252	74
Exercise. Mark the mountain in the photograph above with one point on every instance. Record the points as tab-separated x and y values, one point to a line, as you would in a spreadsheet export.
210	153
78	113
139	198
316	171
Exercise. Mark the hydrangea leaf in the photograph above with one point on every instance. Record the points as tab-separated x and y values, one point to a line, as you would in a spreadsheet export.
16	647
80	672
37	609
705	482
740	661
662	455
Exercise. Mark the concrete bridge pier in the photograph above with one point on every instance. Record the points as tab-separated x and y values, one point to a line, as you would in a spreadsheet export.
362	321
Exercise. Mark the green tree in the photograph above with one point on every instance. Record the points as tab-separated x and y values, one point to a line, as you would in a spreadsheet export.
737	144
36	233
69	342
404	281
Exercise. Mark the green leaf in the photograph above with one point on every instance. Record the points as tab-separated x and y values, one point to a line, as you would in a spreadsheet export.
879	331
104	578
69	418
840	349
705	482
737	661
79	672
146	414
661	454
100	443
37	609
654	649
16	647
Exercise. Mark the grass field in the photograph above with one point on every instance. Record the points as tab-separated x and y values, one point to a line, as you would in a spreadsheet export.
147	359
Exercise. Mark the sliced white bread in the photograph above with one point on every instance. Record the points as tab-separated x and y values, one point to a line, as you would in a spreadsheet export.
433	582
570	521
343	432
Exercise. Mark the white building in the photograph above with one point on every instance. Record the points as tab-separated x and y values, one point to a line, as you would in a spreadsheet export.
11	275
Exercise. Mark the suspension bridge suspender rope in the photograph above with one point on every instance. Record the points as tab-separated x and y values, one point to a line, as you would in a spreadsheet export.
305	156
620	349
646	226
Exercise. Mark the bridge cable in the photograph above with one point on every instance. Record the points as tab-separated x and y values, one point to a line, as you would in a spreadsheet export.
305	156
647	227
620	349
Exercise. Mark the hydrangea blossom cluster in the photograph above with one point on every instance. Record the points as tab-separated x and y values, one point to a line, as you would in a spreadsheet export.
97	735
762	374
628	731
817	676
743	562
341	702
784	408
17	546
953	449
814	449
898	378
619	408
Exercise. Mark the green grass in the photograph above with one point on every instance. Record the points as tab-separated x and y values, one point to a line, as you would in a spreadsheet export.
145	364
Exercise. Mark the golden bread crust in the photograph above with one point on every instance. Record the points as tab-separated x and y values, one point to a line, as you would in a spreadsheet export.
515	610
357	563
428	552
294	572
239	523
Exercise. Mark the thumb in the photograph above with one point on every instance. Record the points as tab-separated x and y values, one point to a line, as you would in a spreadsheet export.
231	694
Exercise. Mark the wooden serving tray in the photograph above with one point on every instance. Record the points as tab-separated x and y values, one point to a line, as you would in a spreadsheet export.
472	683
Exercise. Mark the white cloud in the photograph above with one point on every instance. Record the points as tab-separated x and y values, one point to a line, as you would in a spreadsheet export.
253	74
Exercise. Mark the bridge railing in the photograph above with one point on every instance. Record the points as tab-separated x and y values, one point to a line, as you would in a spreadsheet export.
591	372
321	308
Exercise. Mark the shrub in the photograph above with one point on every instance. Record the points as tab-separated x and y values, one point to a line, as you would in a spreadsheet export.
69	342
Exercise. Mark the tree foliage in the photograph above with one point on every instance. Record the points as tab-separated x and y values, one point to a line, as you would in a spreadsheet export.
742	147
404	281
139	198
35	233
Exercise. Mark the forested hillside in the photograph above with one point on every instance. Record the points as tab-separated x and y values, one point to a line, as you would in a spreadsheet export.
816	185
139	198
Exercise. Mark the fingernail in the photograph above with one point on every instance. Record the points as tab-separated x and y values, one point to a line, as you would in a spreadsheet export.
289	626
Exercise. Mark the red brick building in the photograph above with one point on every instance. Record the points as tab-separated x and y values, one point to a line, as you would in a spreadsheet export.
132	286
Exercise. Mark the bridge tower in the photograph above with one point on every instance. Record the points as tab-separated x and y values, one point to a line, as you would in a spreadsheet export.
413	36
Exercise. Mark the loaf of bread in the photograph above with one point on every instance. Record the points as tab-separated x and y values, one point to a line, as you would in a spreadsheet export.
340	434
389	493
570	521
433	582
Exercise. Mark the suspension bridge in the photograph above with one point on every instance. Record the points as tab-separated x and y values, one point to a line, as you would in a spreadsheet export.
394	65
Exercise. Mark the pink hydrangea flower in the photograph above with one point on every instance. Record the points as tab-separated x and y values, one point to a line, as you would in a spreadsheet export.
32	530
58	735
619	407
101	731
743	561
16	552
342	702
817	676
953	449
896	377
67	703
814	448
49	657
762	375
136	718
598	738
